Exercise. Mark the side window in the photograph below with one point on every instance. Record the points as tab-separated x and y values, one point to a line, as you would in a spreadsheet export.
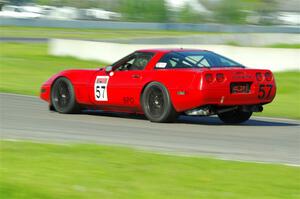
225	62
199	60
125	64
204	62
176	60
169	60
173	60
137	61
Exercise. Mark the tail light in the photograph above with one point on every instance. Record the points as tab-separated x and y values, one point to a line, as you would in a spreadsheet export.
259	77
220	77
268	76
209	78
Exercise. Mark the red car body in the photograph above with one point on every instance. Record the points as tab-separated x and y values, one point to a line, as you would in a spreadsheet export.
189	88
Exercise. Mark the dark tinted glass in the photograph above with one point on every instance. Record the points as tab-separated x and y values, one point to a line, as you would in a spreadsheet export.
135	61
196	59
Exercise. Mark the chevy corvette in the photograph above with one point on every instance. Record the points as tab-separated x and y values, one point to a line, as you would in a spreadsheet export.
164	83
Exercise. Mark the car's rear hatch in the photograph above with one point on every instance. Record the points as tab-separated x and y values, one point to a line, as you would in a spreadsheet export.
233	86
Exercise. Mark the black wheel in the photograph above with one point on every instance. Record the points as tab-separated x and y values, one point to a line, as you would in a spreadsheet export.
63	96
235	116
157	104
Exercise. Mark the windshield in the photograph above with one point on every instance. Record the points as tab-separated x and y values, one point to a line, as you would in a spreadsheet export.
196	59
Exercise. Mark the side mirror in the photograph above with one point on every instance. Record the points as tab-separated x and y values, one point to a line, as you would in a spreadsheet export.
108	69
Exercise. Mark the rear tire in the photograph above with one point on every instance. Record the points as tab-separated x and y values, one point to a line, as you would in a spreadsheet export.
235	116
63	97
156	103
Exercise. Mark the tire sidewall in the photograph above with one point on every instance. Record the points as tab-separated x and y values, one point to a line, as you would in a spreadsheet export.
72	104
165	116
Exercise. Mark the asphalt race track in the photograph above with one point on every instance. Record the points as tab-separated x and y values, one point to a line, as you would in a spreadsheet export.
260	139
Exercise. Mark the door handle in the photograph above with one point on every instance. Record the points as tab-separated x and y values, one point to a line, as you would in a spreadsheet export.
136	76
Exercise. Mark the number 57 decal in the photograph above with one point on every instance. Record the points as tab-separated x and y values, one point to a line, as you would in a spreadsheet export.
264	91
100	88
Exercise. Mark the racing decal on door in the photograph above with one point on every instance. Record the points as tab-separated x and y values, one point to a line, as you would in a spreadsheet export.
100	88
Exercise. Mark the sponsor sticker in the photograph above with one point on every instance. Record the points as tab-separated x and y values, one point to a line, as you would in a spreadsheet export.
161	65
100	88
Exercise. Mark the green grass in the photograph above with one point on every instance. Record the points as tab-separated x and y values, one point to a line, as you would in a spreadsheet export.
24	67
32	170
39	32
283	45
287	100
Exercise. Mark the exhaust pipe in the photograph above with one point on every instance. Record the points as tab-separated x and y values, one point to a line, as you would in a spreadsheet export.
204	111
210	110
227	109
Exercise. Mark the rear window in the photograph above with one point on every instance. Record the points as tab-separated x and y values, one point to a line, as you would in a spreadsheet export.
195	59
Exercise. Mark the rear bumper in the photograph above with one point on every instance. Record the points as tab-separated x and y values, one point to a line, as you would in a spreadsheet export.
220	97
225	98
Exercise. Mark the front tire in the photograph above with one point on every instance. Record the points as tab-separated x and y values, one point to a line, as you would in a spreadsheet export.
156	103
235	116
63	97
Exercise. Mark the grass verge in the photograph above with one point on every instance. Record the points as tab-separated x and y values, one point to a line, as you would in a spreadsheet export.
103	34
287	101
283	45
24	67
32	170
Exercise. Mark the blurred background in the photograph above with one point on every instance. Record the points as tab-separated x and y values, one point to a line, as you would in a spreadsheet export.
260	12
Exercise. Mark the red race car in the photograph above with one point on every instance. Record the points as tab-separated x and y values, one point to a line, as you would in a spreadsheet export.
164	83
